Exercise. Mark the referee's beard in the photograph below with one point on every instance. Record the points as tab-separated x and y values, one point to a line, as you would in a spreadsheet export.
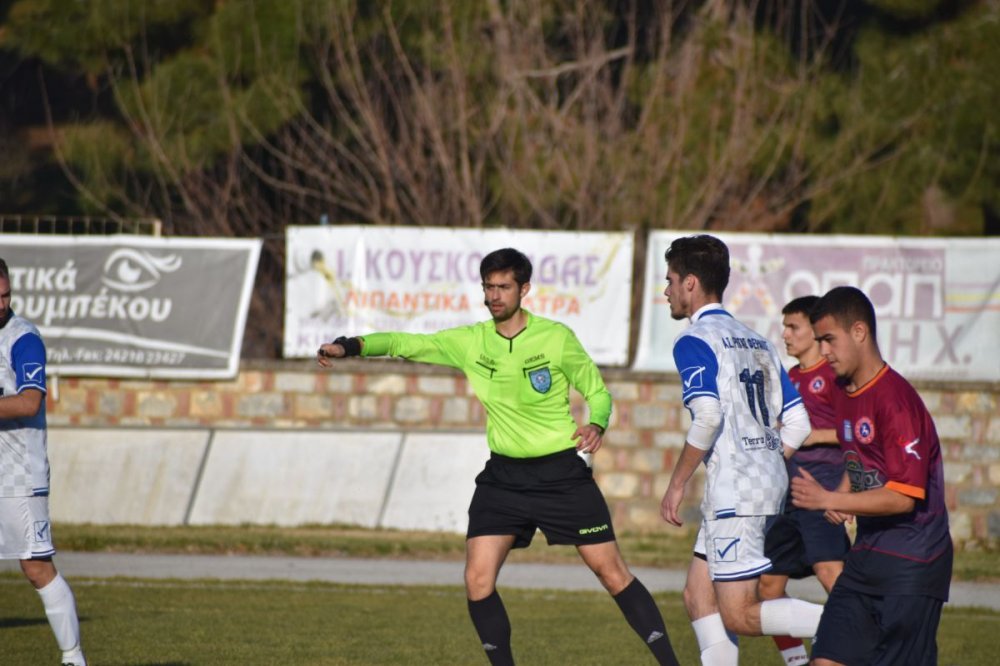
502	315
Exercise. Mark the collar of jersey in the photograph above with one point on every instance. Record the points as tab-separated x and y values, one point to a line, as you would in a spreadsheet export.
528	317
709	309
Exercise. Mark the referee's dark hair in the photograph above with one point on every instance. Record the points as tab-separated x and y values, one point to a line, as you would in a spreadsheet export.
801	305
706	257
4	272
507	259
846	305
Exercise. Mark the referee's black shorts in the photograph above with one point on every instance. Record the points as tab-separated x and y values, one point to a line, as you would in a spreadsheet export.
554	493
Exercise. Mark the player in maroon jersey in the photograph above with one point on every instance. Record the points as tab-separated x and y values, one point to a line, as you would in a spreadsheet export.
886	605
801	543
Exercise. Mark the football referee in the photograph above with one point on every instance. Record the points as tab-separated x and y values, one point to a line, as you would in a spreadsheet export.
521	367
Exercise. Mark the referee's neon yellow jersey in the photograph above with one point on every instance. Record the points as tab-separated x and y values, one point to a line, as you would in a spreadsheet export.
523	382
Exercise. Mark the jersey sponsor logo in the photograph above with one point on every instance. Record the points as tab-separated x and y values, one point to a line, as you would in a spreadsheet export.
33	372
535	358
848	432
817	385
859	477
770	441
594	530
541	380
726	549
910	448
864	430
855	470
691	377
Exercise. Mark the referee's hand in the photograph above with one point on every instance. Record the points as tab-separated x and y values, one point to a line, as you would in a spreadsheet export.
590	437
327	352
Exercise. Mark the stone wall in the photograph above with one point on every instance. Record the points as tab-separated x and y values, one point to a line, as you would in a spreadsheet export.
646	433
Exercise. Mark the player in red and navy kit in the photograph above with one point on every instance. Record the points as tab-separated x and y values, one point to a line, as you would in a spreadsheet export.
801	543
886	605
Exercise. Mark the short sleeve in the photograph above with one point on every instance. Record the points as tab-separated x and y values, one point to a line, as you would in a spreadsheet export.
906	449
27	356
789	394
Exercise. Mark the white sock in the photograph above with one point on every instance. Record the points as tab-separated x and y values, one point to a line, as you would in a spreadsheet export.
718	646
789	617
60	607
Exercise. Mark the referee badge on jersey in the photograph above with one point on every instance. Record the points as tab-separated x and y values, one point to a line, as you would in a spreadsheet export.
541	379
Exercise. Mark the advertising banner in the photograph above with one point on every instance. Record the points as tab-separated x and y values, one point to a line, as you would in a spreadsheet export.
937	301
129	306
351	280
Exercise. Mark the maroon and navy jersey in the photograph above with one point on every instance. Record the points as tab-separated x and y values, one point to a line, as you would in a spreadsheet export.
889	440
825	462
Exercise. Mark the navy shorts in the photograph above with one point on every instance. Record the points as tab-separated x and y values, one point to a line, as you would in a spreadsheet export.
859	628
555	493
797	540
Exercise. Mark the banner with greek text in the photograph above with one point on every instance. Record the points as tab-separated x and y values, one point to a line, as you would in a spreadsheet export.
937	300
129	306
351	280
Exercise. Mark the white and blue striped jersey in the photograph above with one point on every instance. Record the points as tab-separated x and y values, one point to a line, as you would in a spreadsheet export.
24	465
721	358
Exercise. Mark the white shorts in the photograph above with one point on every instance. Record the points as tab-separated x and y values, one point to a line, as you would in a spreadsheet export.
25	530
733	547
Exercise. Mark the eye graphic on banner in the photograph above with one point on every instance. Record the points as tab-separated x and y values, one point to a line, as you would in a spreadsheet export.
131	270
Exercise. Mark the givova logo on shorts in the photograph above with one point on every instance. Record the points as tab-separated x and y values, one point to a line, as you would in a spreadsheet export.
594	530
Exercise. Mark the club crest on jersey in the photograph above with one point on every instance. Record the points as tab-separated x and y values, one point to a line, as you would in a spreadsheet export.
541	380
864	430
817	385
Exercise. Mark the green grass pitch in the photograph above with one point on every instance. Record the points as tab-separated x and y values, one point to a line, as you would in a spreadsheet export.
174	623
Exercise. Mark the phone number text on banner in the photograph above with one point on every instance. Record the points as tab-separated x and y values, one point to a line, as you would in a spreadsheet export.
351	280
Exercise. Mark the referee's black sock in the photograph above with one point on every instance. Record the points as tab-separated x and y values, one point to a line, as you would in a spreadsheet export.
640	610
493	626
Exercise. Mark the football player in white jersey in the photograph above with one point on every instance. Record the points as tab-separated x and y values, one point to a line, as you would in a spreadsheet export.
25	531
738	394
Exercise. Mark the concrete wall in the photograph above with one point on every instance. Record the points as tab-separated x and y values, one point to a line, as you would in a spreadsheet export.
155	476
287	443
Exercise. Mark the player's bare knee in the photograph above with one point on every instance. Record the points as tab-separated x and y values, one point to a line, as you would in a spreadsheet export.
479	584
614	579
693	603
38	572
827	573
737	621
771	588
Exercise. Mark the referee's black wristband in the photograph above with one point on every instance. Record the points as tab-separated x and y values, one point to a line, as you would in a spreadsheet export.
352	346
